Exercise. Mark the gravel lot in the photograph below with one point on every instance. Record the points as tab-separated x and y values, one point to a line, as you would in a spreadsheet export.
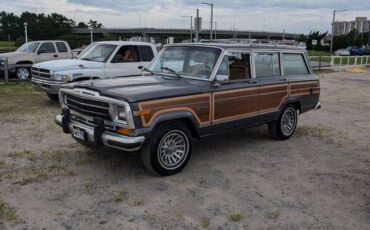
319	179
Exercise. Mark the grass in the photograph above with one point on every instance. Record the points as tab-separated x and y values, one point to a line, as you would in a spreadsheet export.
237	217
318	53
205	222
120	197
137	202
272	215
8	213
6	44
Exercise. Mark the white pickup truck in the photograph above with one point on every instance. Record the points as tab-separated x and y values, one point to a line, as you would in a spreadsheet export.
20	61
98	61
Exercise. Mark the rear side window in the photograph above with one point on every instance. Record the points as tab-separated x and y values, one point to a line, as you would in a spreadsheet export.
267	64
145	53
61	46
294	64
47	47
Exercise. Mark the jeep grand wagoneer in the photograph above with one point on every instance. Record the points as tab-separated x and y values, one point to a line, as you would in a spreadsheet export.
191	91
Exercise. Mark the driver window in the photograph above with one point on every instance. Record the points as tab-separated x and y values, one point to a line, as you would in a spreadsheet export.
47	47
239	65
125	54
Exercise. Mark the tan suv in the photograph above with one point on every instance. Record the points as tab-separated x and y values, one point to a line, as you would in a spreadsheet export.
20	61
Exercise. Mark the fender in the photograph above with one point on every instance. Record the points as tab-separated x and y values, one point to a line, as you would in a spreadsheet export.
184	116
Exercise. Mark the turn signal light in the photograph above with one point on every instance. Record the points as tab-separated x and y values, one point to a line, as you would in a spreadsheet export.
124	131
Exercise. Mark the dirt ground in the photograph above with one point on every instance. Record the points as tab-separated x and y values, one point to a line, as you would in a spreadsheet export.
319	179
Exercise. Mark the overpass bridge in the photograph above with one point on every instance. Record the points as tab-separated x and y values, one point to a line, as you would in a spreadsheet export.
182	34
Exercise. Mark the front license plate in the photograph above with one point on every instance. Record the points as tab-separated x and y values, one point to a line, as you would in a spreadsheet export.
79	133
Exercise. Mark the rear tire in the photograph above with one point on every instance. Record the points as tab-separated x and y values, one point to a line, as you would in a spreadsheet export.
53	97
168	150
285	126
23	73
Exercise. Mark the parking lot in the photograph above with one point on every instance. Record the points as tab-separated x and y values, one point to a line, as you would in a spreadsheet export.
319	179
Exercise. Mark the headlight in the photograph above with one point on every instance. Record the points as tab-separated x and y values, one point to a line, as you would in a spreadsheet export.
62	77
121	113
118	113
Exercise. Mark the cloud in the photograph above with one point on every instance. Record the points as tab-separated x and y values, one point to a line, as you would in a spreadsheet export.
275	15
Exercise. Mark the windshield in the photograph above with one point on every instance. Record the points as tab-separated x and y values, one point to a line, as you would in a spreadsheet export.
29	47
192	61
97	52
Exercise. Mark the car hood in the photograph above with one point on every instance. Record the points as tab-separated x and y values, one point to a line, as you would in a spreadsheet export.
69	64
13	54
142	88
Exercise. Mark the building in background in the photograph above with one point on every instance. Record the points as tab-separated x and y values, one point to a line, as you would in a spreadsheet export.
361	24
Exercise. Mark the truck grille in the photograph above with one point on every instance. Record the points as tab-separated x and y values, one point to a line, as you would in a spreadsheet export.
88	107
40	73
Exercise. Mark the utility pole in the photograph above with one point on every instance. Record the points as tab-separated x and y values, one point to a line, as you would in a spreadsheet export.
191	27
211	31
332	29
198	24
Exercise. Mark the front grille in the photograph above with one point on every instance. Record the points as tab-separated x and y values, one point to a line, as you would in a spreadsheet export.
40	73
88	107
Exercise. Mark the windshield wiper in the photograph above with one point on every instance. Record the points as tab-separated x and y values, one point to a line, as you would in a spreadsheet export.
148	70
86	59
172	71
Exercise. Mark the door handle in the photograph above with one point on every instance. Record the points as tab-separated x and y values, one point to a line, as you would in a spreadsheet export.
55	55
283	79
252	81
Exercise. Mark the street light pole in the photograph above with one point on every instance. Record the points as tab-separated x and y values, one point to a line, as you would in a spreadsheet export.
332	29
191	27
211	31
25	32
91	34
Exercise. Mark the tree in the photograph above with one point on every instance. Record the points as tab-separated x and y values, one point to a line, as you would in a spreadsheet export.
9	26
82	25
94	24
315	35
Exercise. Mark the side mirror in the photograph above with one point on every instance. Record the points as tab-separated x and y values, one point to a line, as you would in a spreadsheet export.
222	78
140	67
39	52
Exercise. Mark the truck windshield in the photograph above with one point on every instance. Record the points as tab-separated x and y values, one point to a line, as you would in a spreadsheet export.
29	47
97	52
191	61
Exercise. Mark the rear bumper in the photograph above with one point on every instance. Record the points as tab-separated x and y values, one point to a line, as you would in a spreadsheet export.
99	137
48	86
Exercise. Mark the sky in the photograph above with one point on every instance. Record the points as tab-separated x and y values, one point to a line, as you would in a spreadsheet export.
298	16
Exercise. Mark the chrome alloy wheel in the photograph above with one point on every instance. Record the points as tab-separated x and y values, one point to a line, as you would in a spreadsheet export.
23	73
173	149
288	122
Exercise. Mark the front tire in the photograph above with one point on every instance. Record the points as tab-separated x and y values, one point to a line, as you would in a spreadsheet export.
285	126
168	150
23	73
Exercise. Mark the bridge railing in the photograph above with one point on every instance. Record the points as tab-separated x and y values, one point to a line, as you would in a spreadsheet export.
322	62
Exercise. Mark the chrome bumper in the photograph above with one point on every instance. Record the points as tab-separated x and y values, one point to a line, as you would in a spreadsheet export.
318	106
108	139
48	86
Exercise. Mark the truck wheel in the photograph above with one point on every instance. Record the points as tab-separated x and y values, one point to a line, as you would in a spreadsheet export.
168	150
285	126
23	73
53	97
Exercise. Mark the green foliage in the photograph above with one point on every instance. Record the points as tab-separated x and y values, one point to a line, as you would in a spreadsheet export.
39	26
237	217
75	41
352	39
315	35
20	41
